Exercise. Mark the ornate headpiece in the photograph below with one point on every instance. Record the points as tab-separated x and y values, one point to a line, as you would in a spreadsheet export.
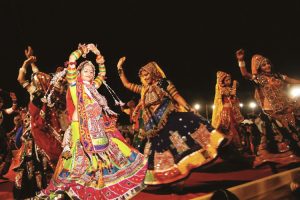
221	76
153	69
256	62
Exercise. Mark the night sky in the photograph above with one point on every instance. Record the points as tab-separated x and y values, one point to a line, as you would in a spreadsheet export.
191	40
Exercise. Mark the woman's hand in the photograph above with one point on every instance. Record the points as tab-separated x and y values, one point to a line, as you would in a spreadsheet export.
31	59
240	54
28	52
121	62
83	48
94	49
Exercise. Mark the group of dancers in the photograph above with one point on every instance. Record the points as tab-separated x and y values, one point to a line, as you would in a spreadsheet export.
68	142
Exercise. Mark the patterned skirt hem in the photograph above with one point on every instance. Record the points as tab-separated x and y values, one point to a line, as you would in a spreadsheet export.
180	170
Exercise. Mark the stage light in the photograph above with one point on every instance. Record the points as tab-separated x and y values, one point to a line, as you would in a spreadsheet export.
241	105
197	106
213	106
295	92
252	105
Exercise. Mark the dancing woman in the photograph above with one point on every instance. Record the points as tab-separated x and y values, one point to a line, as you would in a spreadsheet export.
177	140
96	163
226	114
280	140
48	116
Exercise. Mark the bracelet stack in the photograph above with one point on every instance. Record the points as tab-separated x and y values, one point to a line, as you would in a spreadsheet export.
25	84
242	63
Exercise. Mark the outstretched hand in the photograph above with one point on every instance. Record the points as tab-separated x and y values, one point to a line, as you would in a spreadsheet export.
28	52
83	48
31	59
121	62
240	54
93	48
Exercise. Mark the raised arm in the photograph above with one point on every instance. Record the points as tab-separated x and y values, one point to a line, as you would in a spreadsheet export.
28	54
100	60
291	80
102	71
71	69
131	86
23	70
22	73
240	58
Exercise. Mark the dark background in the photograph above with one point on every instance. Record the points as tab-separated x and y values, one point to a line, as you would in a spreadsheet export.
191	40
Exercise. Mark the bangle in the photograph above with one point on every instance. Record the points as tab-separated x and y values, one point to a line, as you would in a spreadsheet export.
31	89
25	84
80	51
242	63
74	54
77	53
